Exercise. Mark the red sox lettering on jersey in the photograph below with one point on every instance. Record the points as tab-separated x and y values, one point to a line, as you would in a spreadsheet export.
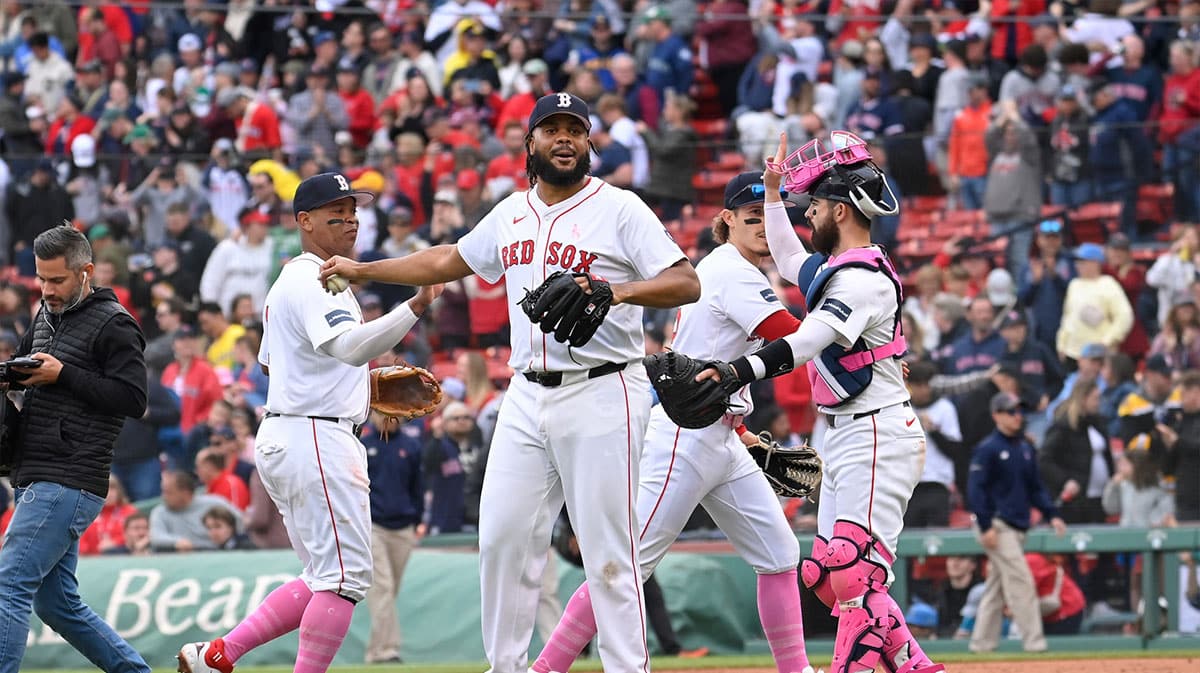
567	256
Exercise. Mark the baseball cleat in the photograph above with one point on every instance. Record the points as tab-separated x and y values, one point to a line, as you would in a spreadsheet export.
698	653
204	657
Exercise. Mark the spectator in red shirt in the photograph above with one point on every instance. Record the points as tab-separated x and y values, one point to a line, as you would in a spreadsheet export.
107	532
506	173
256	123
1009	38
1180	130
211	468
116	21
192	379
104	47
1059	597
360	107
69	122
487	306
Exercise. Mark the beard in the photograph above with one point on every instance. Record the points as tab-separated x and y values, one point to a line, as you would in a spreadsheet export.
545	170
826	237
70	302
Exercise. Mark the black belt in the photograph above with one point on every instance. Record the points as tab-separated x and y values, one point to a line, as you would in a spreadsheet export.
830	418
554	379
328	419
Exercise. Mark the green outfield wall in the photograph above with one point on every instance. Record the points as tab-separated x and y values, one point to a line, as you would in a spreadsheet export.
161	602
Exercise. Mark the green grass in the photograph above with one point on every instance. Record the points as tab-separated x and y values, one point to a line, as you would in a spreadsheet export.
735	661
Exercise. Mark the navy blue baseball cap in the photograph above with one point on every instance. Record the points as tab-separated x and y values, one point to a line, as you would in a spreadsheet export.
560	103
747	189
325	188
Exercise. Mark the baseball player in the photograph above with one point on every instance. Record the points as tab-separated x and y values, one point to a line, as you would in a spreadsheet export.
573	420
315	349
851	342
681	468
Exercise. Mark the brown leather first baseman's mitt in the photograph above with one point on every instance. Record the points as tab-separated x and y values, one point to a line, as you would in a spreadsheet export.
403	393
793	472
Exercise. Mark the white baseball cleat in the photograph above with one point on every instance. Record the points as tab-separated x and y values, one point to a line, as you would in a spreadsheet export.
204	657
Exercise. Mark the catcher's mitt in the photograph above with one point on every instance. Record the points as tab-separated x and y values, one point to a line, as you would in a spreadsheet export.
793	472
689	403
403	393
561	306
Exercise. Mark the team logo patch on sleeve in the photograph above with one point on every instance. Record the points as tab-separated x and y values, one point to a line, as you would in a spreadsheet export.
837	308
338	316
769	295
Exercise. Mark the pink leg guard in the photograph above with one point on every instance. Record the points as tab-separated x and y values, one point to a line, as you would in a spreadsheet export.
901	653
322	630
574	631
779	611
859	583
814	574
280	613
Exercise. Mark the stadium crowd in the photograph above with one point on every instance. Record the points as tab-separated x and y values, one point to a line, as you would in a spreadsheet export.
174	134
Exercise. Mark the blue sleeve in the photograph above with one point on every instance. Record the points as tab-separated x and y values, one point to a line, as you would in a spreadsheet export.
978	477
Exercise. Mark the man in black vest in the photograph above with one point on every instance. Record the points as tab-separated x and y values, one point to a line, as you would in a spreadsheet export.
92	375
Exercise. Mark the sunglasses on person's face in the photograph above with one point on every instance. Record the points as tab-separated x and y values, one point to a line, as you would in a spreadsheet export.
758	190
458	418
1015	411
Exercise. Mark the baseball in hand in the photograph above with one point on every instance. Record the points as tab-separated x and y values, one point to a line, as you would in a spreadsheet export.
335	284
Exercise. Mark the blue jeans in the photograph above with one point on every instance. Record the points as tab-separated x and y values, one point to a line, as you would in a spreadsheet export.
1181	165
1070	194
1020	240
142	480
37	572
970	192
1123	190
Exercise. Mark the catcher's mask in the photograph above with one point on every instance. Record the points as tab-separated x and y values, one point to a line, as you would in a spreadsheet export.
842	172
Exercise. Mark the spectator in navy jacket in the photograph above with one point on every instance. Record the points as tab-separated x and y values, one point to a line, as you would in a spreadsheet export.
397	505
1138	84
980	348
670	65
453	463
1120	153
1042	283
1041	372
1004	484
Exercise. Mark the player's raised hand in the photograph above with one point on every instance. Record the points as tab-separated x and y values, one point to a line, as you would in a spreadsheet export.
773	178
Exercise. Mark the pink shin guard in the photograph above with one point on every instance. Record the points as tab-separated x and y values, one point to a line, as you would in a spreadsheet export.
575	630
814	575
900	648
860	585
779	612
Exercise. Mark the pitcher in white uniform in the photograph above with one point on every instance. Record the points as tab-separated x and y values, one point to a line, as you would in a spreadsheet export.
315	349
573	421
851	343
737	313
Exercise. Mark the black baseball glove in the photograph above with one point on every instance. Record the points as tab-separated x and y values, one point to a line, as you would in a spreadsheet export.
690	403
561	306
793	472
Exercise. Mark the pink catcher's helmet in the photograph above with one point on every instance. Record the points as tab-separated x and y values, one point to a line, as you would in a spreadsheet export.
842	172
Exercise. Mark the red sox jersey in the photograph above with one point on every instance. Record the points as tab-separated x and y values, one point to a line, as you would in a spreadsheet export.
735	298
601	230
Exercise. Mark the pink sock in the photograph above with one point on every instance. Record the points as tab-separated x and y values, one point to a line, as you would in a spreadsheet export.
280	613
574	631
322	630
779	612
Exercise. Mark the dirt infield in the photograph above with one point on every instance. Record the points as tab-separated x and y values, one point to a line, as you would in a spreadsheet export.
1157	664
